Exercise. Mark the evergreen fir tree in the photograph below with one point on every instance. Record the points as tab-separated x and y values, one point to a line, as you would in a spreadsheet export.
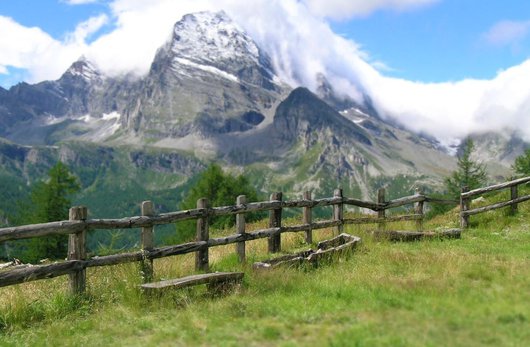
522	164
469	173
50	201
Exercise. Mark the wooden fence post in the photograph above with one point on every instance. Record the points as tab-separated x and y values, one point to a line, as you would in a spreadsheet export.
77	251
419	210
275	221
381	213
514	194
338	212
147	242
201	257
464	206
307	218
240	229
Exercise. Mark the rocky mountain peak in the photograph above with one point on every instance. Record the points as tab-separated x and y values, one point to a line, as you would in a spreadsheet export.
209	37
85	69
213	44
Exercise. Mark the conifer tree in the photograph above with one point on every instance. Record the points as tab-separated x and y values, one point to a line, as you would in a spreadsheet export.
522	164
469	173
50	201
221	189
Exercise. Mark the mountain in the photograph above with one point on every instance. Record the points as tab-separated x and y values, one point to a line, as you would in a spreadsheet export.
209	79
211	94
82	105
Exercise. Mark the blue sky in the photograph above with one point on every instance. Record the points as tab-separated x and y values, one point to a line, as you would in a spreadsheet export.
53	16
446	67
445	41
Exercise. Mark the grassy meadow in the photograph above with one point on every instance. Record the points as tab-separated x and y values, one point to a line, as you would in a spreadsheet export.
474	291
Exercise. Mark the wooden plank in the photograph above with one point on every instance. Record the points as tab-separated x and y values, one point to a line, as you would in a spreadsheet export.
365	204
338	212
145	221
404	201
201	256
147	242
275	221
240	229
495	206
40	230
495	187
307	218
418	210
381	213
406	236
77	251
464	206
39	272
514	194
374	220
194	280
363	220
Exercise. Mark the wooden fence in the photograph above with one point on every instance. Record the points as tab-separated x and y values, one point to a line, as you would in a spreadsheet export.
78	225
466	199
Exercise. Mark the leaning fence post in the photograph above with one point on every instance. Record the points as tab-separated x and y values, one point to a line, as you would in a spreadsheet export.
419	210
464	206
240	228
514	194
147	242
275	221
77	250
201	257
308	218
381	212
338	212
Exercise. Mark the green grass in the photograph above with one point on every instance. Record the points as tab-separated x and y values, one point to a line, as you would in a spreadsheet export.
469	292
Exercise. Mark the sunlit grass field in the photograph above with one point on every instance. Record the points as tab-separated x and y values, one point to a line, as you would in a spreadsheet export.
474	291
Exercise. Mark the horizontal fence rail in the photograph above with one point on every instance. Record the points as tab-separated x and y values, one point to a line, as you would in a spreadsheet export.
78	226
467	195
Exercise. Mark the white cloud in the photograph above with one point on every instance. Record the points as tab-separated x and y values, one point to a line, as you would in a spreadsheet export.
507	32
87	28
34	50
341	9
300	44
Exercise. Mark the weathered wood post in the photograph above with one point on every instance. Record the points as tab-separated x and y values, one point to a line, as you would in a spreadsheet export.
381	212
419	210
147	242
77	250
201	256
464	206
307	216
514	194
275	221
240	229
338	212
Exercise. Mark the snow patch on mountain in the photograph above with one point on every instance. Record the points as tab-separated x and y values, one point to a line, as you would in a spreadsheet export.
85	69
113	115
210	38
179	62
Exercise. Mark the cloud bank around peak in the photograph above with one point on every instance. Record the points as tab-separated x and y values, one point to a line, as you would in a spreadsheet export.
301	44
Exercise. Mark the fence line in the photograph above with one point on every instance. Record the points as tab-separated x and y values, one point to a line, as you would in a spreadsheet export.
78	225
467	195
